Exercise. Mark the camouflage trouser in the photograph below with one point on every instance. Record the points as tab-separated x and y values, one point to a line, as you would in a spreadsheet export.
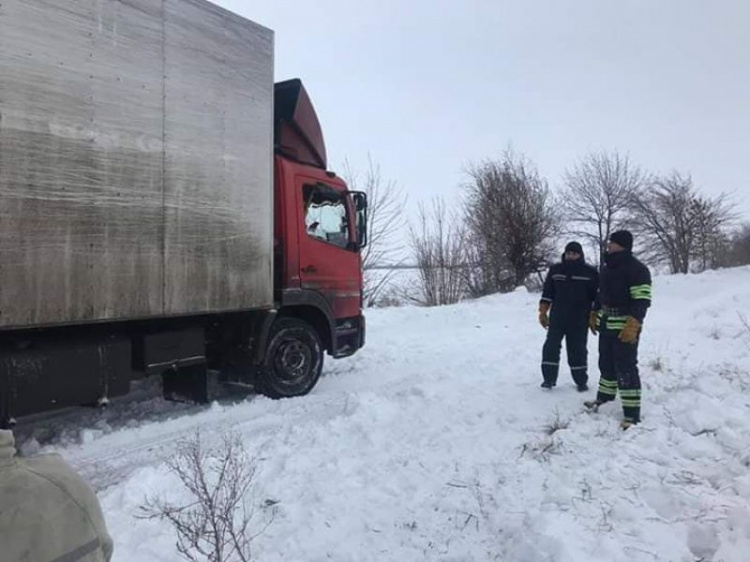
618	365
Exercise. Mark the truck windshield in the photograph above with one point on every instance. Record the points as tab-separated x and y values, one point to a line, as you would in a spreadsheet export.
325	215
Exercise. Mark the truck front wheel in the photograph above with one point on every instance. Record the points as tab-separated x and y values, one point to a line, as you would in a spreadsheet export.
294	359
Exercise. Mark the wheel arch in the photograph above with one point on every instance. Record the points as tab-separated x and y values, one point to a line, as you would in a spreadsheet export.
311	307
316	318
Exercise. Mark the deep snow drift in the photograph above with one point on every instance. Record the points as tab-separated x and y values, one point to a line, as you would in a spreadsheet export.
436	443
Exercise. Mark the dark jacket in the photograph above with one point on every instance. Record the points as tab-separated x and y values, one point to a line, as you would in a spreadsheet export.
570	287
625	286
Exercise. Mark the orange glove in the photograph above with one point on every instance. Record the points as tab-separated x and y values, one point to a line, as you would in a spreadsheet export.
629	334
594	321
543	314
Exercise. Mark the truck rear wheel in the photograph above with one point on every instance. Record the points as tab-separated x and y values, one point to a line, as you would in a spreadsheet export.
294	359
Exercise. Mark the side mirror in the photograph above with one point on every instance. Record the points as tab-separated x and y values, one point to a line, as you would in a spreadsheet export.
359	198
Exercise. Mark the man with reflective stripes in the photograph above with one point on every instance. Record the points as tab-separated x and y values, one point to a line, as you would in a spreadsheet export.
47	512
624	298
569	291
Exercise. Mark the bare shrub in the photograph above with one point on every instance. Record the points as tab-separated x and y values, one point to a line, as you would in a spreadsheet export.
386	201
735	376
745	322
511	220
214	523
391	296
656	364
556	424
598	194
746	325
587	491
438	243
482	276
541	450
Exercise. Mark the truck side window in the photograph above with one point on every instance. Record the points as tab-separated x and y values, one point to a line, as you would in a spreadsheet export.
325	215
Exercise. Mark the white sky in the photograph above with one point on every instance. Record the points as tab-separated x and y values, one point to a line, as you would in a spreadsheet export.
425	87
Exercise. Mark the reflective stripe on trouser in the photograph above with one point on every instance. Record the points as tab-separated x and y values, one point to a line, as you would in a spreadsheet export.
575	332
618	364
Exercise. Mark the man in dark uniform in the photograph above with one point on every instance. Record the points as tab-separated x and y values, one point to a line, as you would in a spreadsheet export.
569	290
624	297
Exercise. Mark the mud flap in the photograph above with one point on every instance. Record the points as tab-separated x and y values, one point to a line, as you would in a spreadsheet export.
186	383
6	421
179	356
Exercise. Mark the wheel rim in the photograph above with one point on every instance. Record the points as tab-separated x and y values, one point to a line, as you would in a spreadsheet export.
293	361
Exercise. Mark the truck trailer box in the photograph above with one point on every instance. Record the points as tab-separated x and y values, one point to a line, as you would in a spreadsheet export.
136	146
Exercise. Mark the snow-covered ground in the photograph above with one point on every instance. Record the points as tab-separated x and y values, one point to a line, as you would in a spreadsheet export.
436	443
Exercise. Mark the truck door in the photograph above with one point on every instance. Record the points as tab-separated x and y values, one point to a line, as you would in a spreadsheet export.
328	257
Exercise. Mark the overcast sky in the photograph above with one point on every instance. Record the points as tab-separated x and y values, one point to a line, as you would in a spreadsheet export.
427	86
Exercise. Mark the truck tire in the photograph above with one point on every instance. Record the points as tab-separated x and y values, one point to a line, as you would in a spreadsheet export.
294	359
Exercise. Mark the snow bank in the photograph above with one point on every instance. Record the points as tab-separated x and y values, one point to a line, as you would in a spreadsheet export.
436	443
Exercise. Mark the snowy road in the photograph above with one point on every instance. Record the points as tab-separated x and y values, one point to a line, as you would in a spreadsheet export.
436	443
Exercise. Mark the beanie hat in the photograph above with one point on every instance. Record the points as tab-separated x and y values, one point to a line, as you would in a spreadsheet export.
574	247
622	238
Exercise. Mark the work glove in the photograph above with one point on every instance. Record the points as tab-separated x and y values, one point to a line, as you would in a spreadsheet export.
594	321
629	334
544	314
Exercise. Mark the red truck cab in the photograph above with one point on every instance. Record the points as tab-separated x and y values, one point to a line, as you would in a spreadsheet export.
320	228
318	262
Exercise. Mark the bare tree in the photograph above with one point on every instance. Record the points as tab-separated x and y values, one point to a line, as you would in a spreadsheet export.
598	194
214	524
509	210
711	240
679	226
386	202
738	247
438	243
